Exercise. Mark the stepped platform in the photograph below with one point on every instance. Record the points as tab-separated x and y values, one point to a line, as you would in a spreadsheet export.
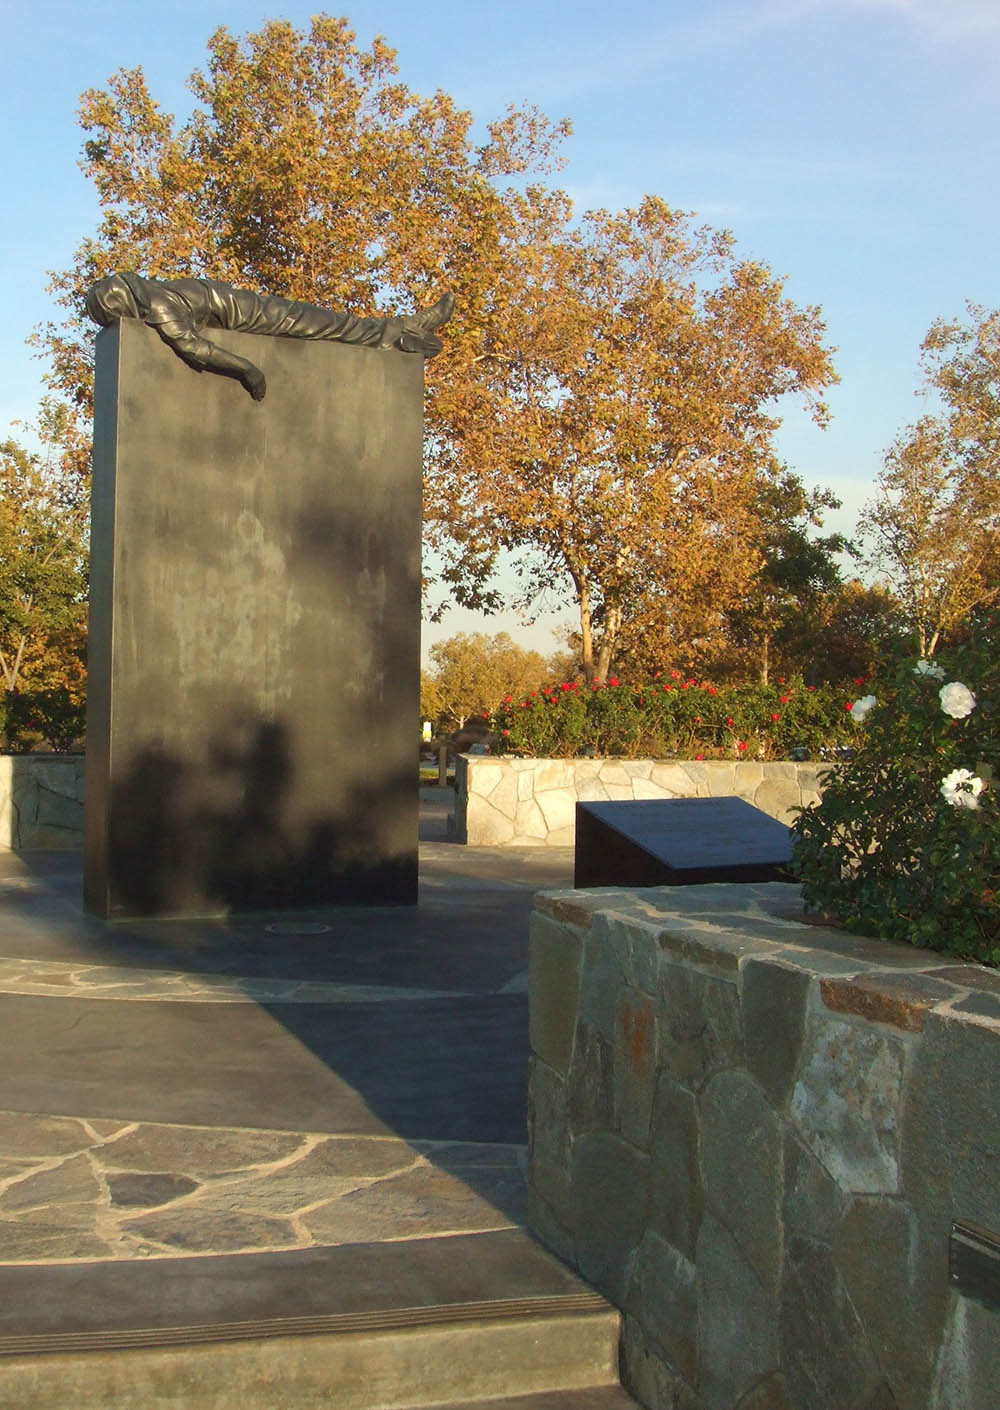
277	1160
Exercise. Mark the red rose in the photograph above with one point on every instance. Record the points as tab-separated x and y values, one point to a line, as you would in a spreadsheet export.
741	745
506	731
612	680
729	719
775	717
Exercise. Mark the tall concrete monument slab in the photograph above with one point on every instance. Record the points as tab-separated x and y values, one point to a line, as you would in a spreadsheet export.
255	618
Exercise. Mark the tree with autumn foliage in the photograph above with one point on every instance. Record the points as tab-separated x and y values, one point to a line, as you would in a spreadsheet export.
618	432
305	170
603	413
43	589
471	672
933	528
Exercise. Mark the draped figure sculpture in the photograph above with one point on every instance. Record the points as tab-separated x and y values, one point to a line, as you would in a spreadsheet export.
181	309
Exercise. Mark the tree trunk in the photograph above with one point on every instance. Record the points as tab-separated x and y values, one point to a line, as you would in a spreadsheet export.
609	640
11	670
586	629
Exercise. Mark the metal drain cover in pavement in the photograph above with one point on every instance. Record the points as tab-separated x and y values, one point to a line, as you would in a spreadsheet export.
298	927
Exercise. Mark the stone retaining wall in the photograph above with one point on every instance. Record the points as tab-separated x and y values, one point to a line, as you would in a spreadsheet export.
41	801
532	802
753	1136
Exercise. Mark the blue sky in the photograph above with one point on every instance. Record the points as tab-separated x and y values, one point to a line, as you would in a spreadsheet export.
852	145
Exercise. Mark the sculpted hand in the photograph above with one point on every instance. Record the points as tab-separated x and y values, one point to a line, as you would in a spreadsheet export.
255	382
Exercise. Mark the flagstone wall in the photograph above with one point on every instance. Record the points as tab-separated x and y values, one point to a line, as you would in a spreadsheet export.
503	802
41	801
753	1135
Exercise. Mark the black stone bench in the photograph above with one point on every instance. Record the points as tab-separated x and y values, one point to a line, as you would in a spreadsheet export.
678	842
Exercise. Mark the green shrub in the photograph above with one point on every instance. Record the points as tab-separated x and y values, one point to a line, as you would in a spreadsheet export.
32	717
675	716
905	843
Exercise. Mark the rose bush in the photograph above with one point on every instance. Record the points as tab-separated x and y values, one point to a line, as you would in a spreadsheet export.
905	843
676	716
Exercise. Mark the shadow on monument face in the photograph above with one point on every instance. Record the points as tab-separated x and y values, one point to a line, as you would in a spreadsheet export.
214	837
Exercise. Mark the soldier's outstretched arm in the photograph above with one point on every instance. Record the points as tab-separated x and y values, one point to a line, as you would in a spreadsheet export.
205	356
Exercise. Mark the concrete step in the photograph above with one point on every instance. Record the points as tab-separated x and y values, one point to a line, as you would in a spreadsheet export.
590	1398
458	1320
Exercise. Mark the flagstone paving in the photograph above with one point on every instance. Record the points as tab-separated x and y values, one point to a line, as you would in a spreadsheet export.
173	1089
73	1189
66	980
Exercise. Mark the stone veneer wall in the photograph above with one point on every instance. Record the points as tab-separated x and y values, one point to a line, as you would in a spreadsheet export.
532	802
752	1135
41	801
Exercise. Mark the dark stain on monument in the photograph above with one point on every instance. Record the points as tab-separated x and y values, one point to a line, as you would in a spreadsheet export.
179	310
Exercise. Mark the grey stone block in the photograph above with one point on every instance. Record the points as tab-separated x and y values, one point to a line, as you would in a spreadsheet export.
813	1201
590	1089
676	1195
543	1223
737	1322
664	1298
985	1005
635	1065
898	1286
637	934
846	1101
720	949
774	1002
610	1195
950	1142
900	999
556	955
971	976
881	1398
968	1370
700	1026
605	975
741	1161
148	1191
649	1379
548	1138
825	1355
769	1394
57	810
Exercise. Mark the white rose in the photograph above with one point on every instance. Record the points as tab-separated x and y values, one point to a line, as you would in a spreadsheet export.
928	668
861	708
961	788
957	700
